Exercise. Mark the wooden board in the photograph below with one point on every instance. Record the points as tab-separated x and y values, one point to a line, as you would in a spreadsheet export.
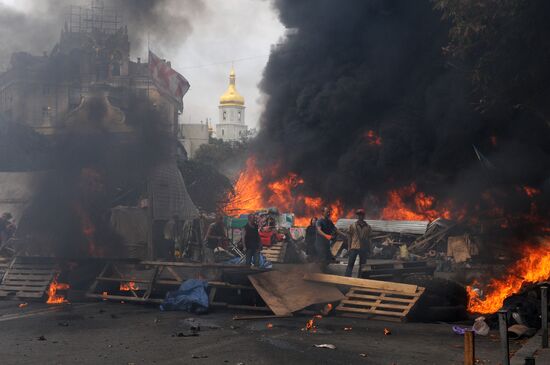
287	292
336	247
28	277
378	303
276	252
362	283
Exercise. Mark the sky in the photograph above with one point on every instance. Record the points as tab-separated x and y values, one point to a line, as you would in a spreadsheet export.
223	32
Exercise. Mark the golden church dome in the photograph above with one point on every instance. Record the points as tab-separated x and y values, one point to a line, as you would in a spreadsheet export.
231	96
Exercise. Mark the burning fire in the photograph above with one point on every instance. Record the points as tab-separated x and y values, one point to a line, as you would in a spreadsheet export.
533	267
53	297
407	203
372	138
128	286
310	325
252	193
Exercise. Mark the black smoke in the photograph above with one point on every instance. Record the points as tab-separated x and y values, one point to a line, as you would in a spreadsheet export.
346	68
165	23
89	170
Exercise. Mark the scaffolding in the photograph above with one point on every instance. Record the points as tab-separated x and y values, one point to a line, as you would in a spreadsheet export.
96	18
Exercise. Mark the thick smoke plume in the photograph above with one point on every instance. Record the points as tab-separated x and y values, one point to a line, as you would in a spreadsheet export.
90	170
361	99
165	23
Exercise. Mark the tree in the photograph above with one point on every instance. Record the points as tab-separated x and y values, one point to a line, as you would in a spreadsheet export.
504	46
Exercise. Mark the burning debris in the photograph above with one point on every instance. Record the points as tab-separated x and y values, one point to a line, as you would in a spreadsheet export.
53	296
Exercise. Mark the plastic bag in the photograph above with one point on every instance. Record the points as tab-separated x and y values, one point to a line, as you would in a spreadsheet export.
480	327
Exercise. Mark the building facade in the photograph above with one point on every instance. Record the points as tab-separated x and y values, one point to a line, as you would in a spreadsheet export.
91	58
231	126
192	136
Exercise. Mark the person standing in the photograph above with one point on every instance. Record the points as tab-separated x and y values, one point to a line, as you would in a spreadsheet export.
359	242
251	241
326	231
310	238
214	238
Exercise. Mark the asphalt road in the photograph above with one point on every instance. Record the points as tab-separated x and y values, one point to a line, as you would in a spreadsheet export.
116	333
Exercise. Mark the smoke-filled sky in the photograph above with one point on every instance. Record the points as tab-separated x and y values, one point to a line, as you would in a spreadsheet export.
200	37
361	100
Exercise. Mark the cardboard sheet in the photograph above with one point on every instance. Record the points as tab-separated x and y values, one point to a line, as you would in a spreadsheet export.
286	291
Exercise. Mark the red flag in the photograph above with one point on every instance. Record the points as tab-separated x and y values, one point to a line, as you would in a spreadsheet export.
166	79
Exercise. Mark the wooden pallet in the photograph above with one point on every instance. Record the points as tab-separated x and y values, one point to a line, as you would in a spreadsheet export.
152	279
26	277
395	269
276	252
378	303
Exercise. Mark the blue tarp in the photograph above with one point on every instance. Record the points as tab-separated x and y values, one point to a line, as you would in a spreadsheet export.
190	297
264	263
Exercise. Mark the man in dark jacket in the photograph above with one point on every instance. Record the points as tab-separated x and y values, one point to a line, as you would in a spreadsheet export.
326	232
251	241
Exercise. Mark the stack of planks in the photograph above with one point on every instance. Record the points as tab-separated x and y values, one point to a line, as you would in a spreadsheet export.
275	253
27	277
373	299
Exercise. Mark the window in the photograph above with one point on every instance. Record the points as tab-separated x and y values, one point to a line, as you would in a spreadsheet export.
222	132
224	116
239	115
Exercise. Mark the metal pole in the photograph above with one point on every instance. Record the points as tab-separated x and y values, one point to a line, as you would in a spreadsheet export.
469	348
544	315
503	328
529	361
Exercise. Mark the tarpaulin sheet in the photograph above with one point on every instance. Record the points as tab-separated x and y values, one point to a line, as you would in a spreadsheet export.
190	297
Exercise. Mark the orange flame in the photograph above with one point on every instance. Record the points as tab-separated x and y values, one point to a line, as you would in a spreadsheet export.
407	203
88	229
252	193
128	286
530	191
533	267
310	325
53	297
372	138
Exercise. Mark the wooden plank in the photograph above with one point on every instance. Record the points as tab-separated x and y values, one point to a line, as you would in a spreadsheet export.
124	298
373	311
363	296
22	294
22	287
206	266
362	283
374	304
336	247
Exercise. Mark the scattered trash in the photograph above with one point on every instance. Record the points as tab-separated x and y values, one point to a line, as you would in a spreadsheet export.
363	355
326	346
387	332
63	324
269	325
480	327
347	328
459	330
190	334
41	338
518	331
23	305
114	316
